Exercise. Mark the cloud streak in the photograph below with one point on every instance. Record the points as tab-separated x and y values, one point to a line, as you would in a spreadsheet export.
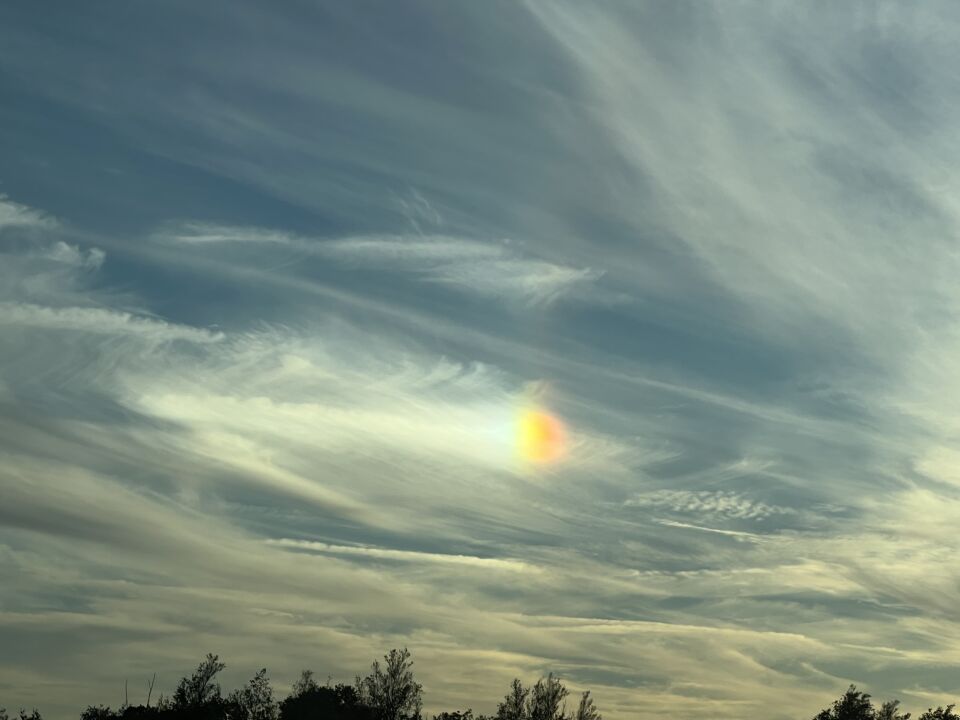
490	269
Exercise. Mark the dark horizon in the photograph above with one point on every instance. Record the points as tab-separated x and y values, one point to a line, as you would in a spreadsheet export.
390	691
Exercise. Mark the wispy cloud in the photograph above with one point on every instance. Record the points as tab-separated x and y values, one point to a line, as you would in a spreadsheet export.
99	321
732	533
498	269
13	214
404	555
707	504
62	252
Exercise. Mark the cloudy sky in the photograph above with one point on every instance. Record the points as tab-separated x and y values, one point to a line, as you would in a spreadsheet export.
277	278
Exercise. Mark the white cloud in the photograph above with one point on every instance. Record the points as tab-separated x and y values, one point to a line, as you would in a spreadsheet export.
405	555
14	214
489	269
534	282
202	233
99	321
492	269
739	534
62	252
719	505
412	252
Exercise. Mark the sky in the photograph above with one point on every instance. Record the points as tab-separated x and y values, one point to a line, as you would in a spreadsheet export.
278	279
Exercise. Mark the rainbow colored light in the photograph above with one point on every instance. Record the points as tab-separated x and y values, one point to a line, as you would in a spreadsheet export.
541	437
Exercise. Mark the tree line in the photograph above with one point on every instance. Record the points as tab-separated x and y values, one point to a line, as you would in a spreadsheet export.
390	692
856	705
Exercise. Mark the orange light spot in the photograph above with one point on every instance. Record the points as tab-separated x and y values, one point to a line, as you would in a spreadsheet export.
542	437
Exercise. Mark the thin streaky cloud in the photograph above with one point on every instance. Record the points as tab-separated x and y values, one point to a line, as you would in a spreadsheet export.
496	269
99	321
404	555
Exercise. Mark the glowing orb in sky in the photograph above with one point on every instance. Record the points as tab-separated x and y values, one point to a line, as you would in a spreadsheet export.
541	437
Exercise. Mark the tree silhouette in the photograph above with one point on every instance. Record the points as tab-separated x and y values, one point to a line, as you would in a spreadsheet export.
391	691
97	712
546	700
514	705
23	715
890	710
199	689
310	701
587	710
940	713
305	684
852	705
255	700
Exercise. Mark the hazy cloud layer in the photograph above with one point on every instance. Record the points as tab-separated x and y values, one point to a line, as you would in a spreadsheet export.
276	281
